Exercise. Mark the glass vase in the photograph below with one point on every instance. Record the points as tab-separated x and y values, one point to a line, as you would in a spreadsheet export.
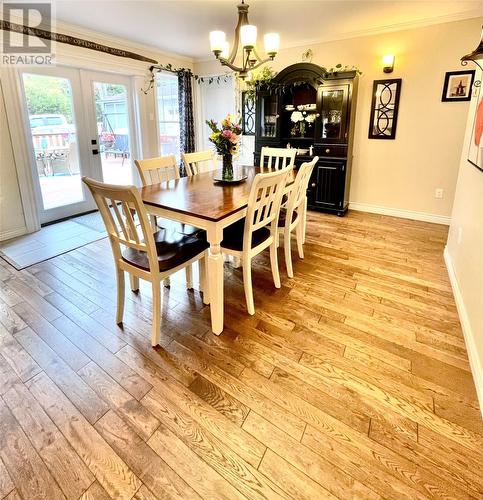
227	167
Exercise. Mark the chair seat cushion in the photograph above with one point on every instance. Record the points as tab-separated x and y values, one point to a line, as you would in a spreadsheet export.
282	218
173	249
233	236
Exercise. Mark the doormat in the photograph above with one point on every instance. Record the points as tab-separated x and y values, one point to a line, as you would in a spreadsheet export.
53	240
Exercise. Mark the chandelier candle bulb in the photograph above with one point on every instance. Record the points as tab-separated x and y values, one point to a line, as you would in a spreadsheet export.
217	41
248	35
225	53
272	43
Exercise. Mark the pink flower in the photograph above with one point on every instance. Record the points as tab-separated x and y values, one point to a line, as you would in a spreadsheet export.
227	133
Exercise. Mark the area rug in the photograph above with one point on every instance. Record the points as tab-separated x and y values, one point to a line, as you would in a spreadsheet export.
53	240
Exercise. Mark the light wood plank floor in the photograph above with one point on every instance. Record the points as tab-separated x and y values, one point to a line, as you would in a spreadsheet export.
351	381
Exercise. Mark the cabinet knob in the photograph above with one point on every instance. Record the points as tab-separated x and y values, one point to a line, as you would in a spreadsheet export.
327	150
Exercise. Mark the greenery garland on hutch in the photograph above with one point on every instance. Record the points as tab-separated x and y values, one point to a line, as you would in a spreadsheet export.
312	109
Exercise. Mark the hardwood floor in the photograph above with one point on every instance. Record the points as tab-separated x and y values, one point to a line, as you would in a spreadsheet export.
351	381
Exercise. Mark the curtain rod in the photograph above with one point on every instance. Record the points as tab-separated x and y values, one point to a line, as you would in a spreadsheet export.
71	40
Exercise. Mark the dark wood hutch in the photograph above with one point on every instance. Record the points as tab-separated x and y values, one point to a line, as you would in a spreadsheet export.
304	107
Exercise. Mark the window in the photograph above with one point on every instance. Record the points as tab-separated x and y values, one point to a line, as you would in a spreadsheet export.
115	114
168	114
248	113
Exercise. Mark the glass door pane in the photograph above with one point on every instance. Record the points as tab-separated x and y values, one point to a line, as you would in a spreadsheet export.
269	116
113	132
333	112
54	134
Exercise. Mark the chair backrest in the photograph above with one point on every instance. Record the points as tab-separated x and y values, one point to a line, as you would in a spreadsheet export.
277	158
156	170
298	190
199	162
264	202
117	205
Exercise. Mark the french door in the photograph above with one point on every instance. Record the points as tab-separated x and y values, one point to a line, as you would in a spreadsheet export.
79	123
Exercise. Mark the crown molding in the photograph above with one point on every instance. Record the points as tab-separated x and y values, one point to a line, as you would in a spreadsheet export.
105	39
389	28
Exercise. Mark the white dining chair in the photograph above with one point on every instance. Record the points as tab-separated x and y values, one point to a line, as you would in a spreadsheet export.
248	237
154	171
199	162
277	158
158	169
293	213
137	250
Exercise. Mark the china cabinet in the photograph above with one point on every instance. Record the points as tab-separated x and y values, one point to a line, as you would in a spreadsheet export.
307	109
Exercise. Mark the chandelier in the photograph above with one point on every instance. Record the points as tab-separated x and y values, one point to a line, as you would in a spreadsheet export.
476	55
246	38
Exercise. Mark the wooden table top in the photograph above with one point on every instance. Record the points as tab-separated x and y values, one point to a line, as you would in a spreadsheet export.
200	196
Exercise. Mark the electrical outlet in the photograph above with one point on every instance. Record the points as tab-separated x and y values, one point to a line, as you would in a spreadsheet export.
438	193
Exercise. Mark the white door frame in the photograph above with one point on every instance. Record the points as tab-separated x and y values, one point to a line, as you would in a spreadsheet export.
85	119
73	75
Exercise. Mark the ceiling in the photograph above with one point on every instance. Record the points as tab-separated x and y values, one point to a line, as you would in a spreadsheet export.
182	27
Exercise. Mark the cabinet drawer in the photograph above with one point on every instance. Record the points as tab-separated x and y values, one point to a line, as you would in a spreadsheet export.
330	150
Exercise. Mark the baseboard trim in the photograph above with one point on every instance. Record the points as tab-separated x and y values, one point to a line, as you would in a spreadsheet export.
397	212
12	233
476	364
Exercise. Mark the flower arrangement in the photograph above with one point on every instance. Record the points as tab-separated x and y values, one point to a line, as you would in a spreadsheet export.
299	118
225	138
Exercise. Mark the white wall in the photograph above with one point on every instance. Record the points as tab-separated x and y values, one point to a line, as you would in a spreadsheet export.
464	254
214	101
401	175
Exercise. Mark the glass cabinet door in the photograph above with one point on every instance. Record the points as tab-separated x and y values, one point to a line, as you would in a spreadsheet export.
333	113
269	116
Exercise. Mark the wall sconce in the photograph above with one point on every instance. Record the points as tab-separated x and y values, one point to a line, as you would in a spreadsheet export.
388	63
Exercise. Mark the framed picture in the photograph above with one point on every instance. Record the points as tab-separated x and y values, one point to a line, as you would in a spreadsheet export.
475	147
457	85
384	108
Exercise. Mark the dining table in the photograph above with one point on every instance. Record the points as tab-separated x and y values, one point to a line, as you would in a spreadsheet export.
200	201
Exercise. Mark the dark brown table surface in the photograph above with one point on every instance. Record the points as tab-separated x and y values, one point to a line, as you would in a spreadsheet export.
200	196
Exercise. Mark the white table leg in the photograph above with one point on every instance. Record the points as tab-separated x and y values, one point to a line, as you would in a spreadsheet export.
215	279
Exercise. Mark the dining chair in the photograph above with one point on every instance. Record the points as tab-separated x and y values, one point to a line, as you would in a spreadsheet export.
199	162
140	251
248	237
293	213
154	171
277	158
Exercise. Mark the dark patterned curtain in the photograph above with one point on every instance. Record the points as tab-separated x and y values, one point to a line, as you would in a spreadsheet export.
186	119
